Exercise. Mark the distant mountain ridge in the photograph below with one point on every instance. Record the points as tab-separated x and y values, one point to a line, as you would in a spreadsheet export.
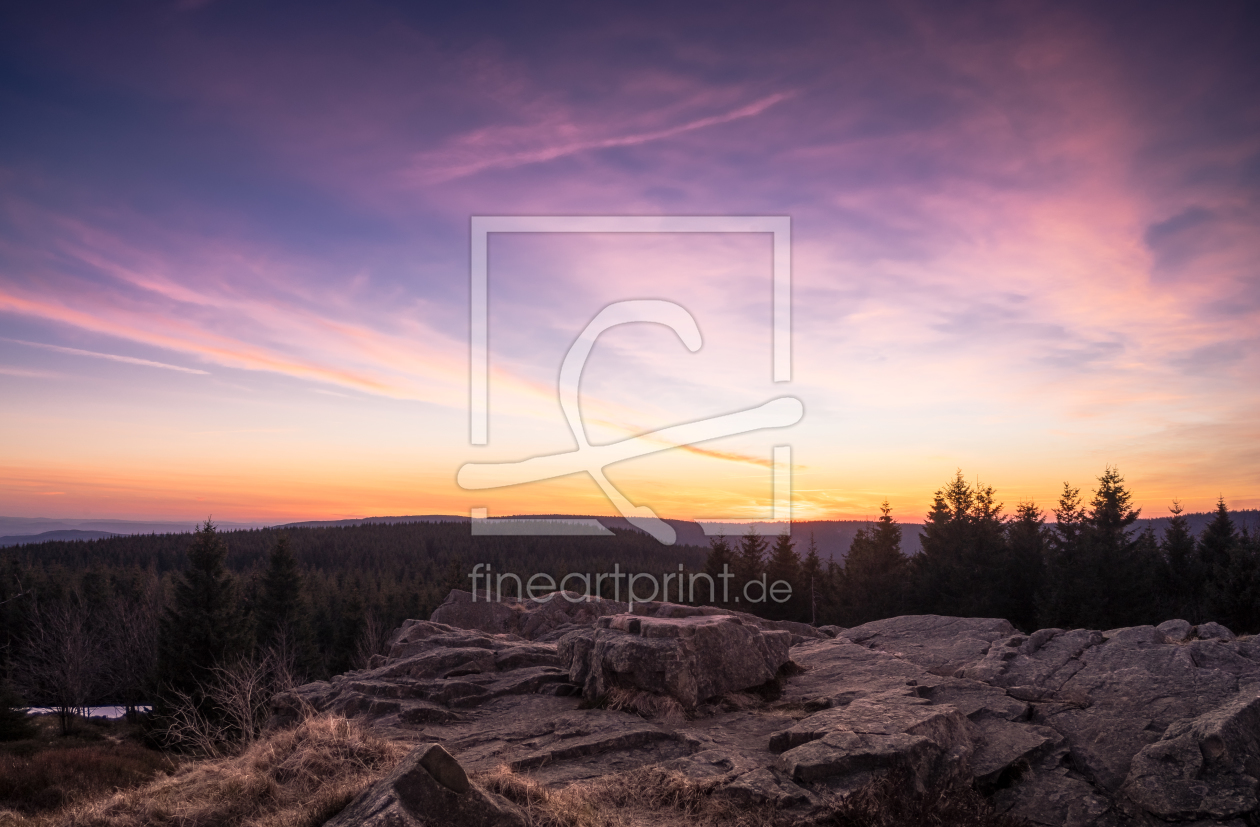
50	536
27	526
833	537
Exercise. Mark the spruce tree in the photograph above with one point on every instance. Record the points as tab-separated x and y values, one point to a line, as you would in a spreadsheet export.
721	560
1064	556
963	539
1100	576
811	581
1232	595
784	565
350	626
1218	539
1026	539
749	562
874	579
283	622
202	629
1186	576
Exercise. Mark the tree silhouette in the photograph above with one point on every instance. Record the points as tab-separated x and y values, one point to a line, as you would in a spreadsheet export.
1022	578
202	629
283	623
963	538
721	560
784	565
749	560
874	579
811	577
1187	576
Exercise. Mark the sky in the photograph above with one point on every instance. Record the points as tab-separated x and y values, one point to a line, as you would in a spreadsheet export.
235	252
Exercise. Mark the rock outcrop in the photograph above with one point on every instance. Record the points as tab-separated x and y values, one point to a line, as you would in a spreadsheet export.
689	659
1137	726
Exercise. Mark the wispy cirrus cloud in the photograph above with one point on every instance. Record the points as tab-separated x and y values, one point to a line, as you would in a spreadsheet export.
113	357
492	148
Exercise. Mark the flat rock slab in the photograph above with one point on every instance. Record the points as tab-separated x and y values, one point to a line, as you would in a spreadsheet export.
877	733
942	645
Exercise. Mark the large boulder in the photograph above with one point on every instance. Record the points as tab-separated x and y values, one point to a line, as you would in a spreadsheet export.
689	659
428	788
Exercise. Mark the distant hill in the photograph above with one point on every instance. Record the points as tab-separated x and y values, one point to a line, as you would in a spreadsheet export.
49	536
415	518
27	526
832	536
1247	518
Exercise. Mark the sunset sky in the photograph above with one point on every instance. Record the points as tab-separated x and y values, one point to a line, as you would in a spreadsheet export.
235	242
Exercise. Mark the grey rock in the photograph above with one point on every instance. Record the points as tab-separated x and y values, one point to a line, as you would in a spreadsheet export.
875	734
942	645
1004	750
764	785
1134	636
1212	631
1056	798
1176	631
689	659
1207	767
742	777
428	789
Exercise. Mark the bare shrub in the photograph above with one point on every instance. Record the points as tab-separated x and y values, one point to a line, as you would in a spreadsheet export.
372	640
231	712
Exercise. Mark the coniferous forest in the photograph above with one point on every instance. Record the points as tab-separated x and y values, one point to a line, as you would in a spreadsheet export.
136	619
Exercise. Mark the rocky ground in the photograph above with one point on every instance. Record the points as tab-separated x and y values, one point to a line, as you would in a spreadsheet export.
1137	726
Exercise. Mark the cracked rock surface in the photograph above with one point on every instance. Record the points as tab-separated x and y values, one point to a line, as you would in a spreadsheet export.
1137	726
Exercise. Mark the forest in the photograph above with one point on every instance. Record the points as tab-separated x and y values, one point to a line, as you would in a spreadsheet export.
150	619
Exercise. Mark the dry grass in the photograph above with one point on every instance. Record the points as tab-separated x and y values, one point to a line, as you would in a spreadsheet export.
649	796
294	778
51	778
645	704
663	798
